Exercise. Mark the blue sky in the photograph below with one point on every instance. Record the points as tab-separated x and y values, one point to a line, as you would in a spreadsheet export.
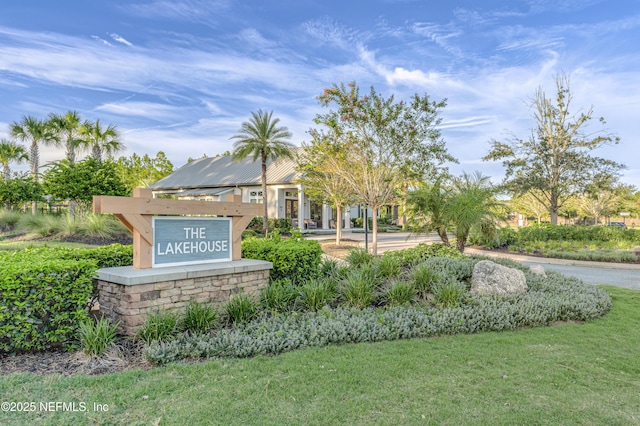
181	76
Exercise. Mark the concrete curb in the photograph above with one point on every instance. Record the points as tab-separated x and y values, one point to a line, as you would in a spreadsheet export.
552	261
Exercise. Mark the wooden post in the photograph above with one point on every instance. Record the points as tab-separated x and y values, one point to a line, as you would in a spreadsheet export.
136	214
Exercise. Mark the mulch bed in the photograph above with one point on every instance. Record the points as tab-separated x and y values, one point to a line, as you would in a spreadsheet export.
126	355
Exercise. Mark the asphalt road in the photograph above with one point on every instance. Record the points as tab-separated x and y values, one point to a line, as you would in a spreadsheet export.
628	278
620	275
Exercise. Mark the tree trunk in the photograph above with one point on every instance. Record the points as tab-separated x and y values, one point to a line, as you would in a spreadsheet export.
374	231
442	233
553	207
35	158
265	218
338	224
461	240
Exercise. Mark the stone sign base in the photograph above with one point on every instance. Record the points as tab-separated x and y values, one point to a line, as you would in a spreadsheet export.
126	294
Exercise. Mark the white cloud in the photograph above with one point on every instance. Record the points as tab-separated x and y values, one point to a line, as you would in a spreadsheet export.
120	39
101	40
188	10
148	110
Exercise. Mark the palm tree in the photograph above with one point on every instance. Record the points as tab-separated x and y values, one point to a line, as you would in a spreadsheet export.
35	132
67	127
464	202
472	203
100	141
426	206
11	152
260	137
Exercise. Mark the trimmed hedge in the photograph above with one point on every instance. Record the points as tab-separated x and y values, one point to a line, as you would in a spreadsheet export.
548	232
42	303
44	294
293	258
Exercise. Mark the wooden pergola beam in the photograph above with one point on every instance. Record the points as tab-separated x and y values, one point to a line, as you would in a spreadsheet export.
136	214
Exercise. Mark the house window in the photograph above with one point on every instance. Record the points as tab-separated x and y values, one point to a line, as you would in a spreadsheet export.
255	197
291	194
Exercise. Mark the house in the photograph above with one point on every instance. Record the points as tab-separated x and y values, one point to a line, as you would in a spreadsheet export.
214	177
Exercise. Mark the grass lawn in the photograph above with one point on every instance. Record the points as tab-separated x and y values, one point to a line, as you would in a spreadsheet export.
567	374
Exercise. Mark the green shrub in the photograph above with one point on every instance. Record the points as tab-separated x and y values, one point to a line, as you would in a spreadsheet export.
507	237
45	292
43	225
424	278
400	293
105	256
241	308
595	255
96	336
548	232
448	294
329	268
199	317
250	233
417	254
359	288
278	296
99	225
159	325
316	294
69	225
9	219
283	225
293	258
358	257
459	269
387	267
42	301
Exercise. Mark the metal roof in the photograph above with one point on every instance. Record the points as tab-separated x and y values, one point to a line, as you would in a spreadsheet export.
203	191
219	172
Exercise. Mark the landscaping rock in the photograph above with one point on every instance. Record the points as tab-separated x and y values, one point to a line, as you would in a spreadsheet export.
538	270
490	278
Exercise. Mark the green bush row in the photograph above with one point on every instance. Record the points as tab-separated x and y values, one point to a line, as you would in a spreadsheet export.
45	292
293	258
42	303
283	225
422	252
103	256
548	232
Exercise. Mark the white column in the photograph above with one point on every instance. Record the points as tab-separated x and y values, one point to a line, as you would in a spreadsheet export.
347	217
300	207
325	215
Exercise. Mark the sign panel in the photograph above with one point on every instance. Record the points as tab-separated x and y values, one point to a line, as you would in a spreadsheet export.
187	241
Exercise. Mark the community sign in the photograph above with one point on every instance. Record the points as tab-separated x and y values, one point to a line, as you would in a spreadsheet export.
192	240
